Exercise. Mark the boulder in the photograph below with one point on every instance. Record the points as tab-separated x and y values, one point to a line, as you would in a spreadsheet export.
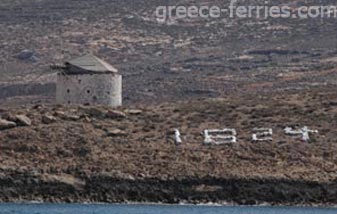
23	120
5	124
116	133
27	55
48	119
94	111
65	116
112	114
72	117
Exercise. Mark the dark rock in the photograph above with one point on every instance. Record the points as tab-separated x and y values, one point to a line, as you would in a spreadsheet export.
94	111
115	114
27	55
134	111
48	119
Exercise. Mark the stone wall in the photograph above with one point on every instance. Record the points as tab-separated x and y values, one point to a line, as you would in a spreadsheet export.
92	89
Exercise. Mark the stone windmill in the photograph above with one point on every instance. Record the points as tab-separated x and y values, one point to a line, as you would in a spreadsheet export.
88	80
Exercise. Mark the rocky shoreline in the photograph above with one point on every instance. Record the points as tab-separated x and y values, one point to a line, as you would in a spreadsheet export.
98	189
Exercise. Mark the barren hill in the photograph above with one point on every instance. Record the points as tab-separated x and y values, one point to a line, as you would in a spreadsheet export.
84	153
190	58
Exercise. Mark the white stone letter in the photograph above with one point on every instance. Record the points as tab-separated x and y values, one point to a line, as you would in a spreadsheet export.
262	134
218	136
303	133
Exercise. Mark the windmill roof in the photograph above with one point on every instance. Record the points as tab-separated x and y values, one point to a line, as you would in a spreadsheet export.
88	64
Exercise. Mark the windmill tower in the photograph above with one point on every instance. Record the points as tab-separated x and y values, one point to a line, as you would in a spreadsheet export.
88	80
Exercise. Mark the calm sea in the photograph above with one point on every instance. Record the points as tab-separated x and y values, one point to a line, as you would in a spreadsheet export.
152	209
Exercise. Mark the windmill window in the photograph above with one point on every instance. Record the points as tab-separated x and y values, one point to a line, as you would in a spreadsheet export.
88	91
68	91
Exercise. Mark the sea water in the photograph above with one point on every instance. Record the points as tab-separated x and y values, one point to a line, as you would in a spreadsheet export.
154	209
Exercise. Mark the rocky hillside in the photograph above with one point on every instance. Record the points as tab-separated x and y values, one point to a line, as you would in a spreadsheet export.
190	58
83	153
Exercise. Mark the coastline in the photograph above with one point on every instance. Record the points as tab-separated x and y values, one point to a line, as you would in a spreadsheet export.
224	204
233	192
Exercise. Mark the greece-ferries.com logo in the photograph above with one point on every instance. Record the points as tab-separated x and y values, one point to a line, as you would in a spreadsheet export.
237	10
